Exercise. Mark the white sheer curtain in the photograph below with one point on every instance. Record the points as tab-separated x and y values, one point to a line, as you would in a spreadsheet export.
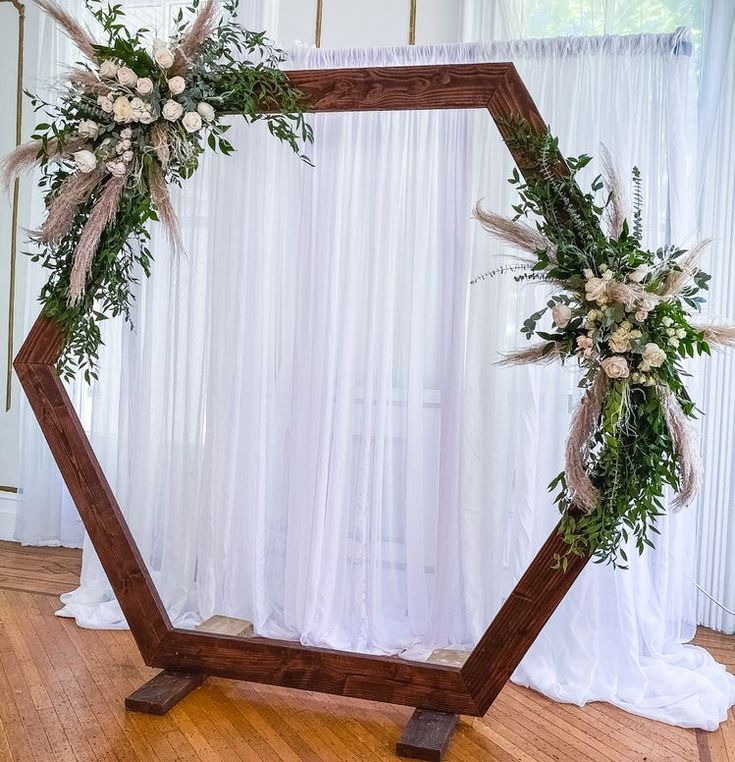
307	431
716	197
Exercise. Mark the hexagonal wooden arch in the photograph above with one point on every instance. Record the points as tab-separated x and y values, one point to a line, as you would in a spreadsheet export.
191	654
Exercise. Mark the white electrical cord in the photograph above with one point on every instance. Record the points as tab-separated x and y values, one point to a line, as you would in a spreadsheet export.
702	590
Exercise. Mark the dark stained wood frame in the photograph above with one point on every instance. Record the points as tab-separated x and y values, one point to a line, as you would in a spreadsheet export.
467	690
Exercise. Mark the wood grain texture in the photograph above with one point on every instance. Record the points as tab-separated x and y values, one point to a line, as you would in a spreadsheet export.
427	735
52	571
62	690
437	687
519	621
162	692
292	665
227	625
97	506
401	88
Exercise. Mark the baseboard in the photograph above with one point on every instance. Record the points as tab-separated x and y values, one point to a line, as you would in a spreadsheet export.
8	510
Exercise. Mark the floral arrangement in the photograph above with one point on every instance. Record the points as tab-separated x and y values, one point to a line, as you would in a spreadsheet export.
625	315
129	122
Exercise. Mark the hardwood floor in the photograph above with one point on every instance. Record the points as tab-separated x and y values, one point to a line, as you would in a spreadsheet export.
62	691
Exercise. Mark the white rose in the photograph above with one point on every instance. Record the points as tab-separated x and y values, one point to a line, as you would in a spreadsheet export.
125	144
144	86
596	289
108	70
86	161
88	129
122	109
192	121
615	367
126	133
641	315
667	321
127	157
126	76
673	341
607	275
206	112
163	57
104	103
639	274
561	314
653	356
680	333
172	111
116	168
146	118
177	85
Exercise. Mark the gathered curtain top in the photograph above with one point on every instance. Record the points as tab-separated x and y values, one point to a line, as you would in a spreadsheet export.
677	43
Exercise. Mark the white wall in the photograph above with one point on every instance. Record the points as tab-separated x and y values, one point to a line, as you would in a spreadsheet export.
377	23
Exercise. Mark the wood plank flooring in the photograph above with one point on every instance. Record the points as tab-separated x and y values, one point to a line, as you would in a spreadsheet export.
62	690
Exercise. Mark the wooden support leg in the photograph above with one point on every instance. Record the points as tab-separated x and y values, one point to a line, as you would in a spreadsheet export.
163	692
427	735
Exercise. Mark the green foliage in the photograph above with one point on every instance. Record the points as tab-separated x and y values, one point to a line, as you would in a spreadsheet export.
623	305
235	71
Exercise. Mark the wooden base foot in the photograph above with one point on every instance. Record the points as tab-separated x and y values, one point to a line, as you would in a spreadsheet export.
427	735
163	692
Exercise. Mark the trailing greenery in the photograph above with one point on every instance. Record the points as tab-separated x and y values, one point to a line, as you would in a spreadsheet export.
622	312
126	112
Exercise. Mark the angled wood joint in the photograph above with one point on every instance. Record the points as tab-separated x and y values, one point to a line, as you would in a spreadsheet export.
189	655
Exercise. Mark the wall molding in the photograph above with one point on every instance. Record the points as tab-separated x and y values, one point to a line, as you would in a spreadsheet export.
8	513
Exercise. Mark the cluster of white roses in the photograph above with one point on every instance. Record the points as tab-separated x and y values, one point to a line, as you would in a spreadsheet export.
625	341
135	100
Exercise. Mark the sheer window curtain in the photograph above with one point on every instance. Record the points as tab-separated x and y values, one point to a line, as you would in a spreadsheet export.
714	164
306	429
716	205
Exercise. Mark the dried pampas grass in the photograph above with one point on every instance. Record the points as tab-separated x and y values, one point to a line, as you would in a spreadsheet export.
102	214
87	81
537	353
199	30
719	334
161	198
73	192
74	31
517	234
685	447
159	143
678	280
616	211
628	294
583	493
25	156
18	161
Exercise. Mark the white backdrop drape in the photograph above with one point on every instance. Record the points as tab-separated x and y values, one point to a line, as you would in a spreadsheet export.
306	429
716	197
